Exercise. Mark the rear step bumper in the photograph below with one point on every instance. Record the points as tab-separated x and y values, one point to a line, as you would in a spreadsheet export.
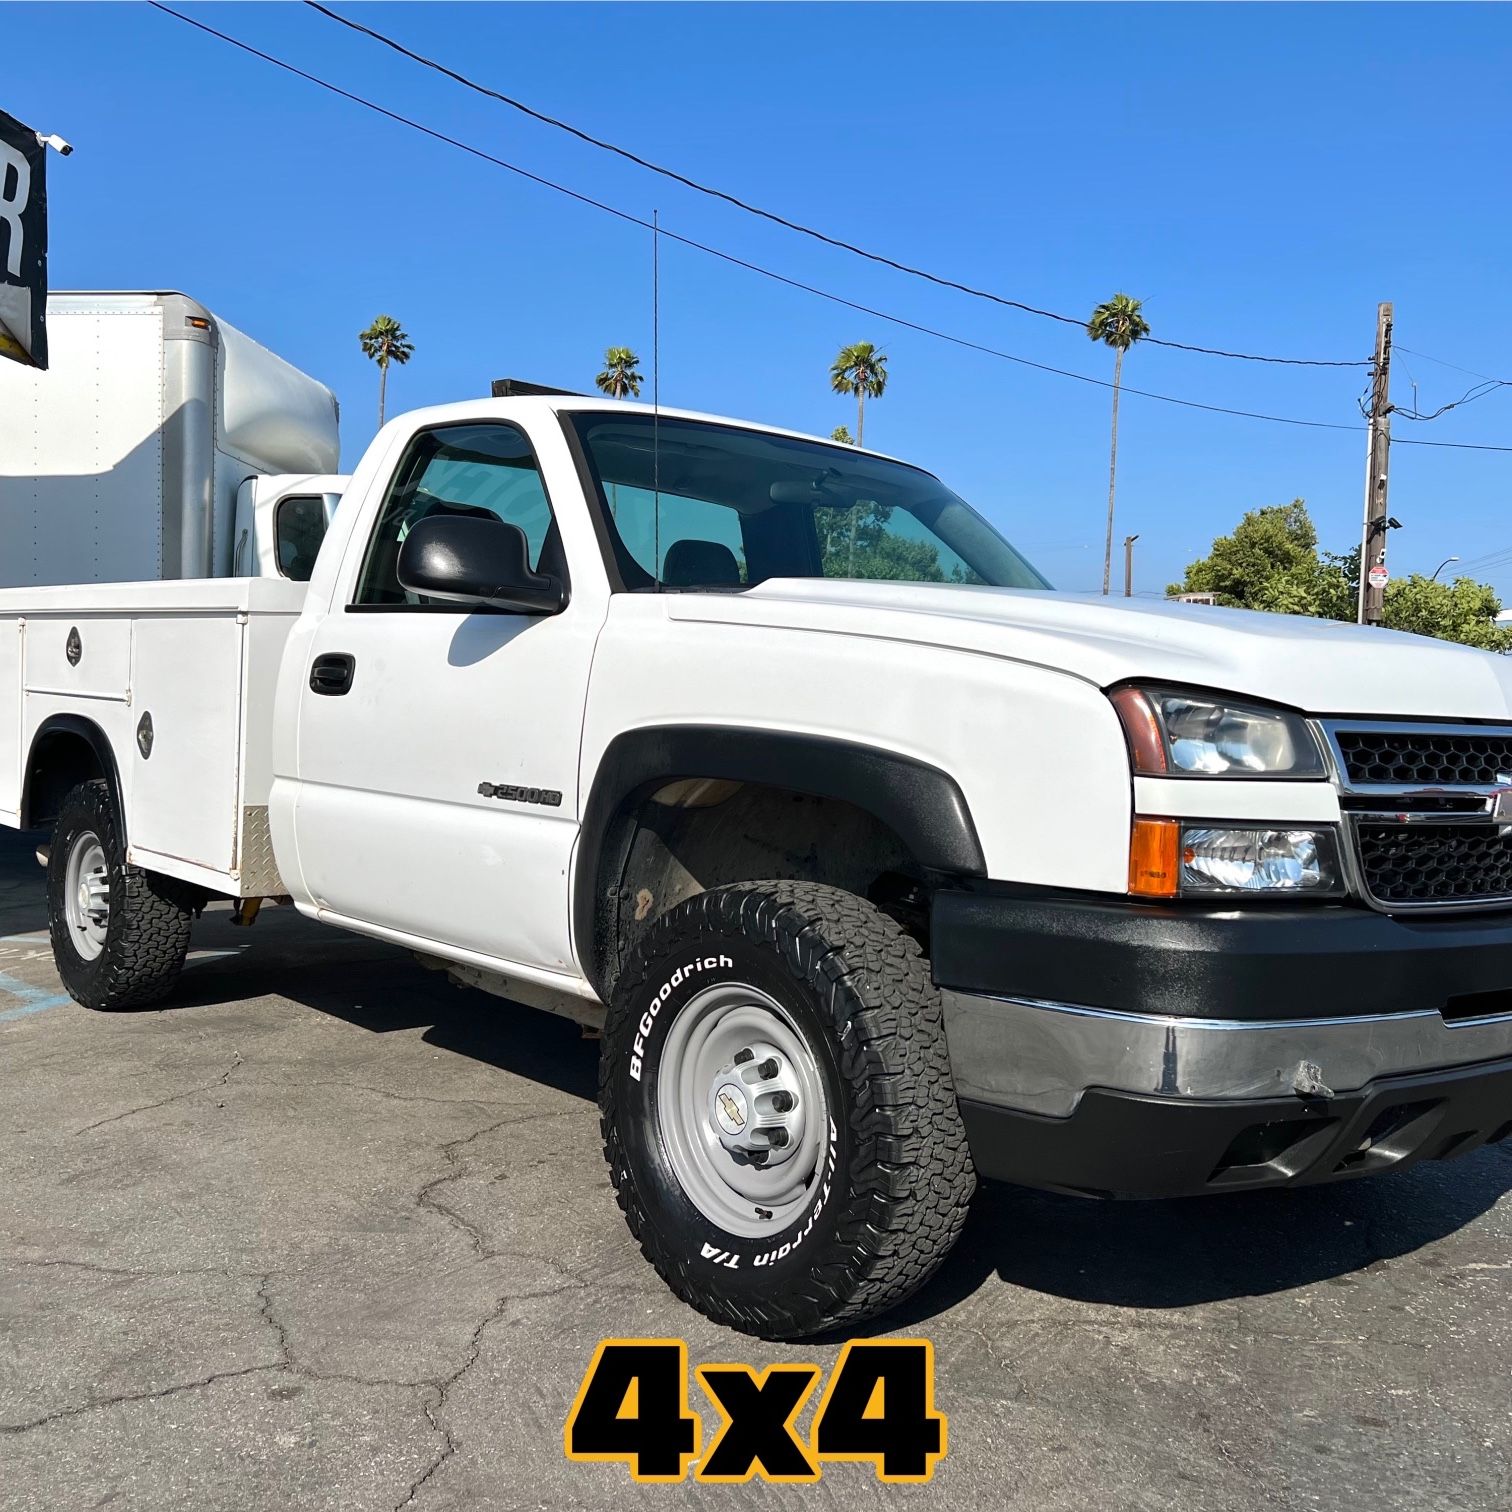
1124	1144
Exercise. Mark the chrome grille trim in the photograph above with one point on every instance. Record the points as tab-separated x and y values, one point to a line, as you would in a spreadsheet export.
1410	805
1332	729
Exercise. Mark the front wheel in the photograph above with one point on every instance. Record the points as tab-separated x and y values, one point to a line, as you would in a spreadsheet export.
778	1111
119	934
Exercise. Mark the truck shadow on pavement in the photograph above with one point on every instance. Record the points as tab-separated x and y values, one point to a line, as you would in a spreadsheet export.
1140	1255
1174	1254
384	991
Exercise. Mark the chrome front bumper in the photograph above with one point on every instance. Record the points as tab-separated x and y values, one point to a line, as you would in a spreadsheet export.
1040	1057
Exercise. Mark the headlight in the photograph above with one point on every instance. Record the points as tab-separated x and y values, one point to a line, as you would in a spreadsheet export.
1258	860
1174	734
1170	858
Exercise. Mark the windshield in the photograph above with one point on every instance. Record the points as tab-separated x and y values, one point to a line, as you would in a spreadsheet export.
739	506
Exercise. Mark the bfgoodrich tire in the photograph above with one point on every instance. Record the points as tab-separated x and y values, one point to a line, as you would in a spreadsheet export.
778	1111
119	934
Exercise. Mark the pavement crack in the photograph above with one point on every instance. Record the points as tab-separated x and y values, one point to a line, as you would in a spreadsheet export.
408	1097
450	1152
167	1272
1020	1386
219	1081
95	1404
434	1406
265	1311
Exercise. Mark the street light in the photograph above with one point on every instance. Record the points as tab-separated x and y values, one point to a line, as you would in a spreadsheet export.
1433	576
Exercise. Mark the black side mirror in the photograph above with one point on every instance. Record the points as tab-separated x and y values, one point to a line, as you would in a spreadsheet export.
472	559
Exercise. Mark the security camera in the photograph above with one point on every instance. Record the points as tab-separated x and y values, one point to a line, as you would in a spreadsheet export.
57	144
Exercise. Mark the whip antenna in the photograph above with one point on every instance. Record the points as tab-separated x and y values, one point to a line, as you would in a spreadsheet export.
656	396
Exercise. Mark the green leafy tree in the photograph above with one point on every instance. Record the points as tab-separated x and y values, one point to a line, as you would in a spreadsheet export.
1272	556
621	378
384	342
859	369
857	543
842	434
1463	611
1116	323
1271	561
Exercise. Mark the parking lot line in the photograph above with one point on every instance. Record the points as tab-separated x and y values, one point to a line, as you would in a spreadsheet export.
32	999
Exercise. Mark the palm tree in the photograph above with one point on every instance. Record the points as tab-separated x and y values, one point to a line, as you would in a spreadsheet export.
1118	324
859	369
621	376
385	342
841	433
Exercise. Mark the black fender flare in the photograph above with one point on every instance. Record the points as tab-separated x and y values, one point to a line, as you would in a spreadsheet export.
98	742
921	804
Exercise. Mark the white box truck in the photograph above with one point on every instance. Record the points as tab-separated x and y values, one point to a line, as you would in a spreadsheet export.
881	865
155	446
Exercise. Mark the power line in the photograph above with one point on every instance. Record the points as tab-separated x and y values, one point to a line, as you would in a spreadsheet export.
1479	391
1469	397
740	262
1468	372
1492	561
1449	445
781	220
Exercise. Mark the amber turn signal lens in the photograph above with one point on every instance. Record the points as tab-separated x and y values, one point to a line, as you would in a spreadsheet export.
1147	752
1155	858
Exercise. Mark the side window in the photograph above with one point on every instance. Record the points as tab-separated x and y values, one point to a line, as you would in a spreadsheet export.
486	468
702	544
299	526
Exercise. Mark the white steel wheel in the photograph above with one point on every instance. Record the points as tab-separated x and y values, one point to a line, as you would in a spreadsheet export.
119	934
86	895
777	1108
741	1109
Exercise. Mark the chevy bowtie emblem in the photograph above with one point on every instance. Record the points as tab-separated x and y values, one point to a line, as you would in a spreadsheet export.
1501	803
732	1110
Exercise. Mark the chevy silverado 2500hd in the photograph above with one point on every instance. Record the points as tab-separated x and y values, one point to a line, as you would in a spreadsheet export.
881	865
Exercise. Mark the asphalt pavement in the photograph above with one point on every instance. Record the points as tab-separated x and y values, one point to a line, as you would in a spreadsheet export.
324	1231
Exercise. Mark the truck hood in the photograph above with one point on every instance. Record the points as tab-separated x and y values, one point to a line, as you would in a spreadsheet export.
1319	666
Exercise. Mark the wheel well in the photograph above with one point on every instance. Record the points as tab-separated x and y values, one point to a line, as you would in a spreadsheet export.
677	809
698	833
63	755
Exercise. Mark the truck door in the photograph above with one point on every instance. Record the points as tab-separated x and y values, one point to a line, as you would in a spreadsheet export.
438	747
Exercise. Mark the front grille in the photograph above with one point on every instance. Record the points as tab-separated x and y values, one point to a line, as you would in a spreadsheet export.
1435	863
1426	757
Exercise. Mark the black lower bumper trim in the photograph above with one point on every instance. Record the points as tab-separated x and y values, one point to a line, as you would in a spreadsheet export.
1255	963
1120	1144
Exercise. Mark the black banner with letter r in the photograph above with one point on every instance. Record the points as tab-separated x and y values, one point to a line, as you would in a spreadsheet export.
23	244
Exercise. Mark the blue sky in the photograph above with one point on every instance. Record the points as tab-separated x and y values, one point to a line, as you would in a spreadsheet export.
1217	161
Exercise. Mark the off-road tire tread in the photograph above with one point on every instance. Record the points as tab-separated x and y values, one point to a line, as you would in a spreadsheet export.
910	1173
149	937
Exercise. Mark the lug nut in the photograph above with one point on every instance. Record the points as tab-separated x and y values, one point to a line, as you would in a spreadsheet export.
783	1102
778	1137
742	1056
768	1068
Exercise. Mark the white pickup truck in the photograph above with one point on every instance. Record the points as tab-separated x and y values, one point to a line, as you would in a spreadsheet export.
881	865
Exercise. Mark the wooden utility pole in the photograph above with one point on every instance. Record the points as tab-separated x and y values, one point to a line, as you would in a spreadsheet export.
1129	565
1377	458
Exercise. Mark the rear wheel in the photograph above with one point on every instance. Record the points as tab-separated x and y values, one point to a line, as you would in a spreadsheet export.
778	1110
119	934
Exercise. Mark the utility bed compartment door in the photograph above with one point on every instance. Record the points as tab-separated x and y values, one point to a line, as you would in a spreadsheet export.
185	789
83	657
10	717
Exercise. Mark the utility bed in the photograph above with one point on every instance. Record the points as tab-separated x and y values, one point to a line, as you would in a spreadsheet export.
179	677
